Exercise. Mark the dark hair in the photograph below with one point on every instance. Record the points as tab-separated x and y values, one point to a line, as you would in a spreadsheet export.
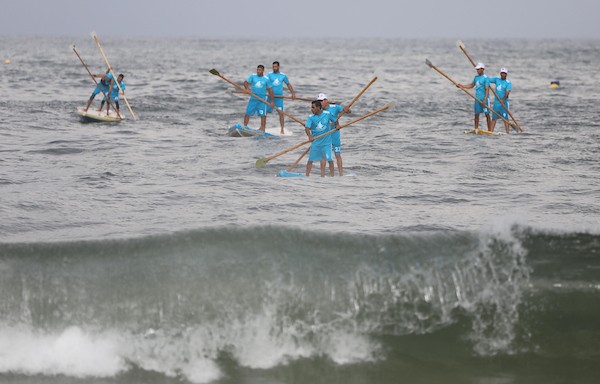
276	62
317	103
121	75
261	66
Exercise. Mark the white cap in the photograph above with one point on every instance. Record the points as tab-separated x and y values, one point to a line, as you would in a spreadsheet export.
503	70
480	66
321	97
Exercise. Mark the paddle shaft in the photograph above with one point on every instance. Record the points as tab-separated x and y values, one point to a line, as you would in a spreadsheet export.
462	48
114	76
253	95
281	96
359	95
328	132
467	92
291	167
92	76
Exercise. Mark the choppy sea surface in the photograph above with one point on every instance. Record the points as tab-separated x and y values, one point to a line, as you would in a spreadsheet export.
154	251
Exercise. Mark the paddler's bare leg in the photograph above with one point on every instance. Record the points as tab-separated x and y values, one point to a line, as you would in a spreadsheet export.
281	121
308	167
338	159
263	123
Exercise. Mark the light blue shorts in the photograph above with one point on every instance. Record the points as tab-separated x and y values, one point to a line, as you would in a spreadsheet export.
278	103
256	106
478	108
336	140
114	98
499	109
100	88
317	152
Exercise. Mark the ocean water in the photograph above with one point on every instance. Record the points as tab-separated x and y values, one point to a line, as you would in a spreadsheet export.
154	251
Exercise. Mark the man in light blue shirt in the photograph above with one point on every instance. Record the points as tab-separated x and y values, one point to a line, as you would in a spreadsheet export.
259	85
503	88
318	123
104	85
277	80
336	140
114	95
482	90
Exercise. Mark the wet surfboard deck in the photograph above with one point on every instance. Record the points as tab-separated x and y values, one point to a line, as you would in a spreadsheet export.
239	130
93	115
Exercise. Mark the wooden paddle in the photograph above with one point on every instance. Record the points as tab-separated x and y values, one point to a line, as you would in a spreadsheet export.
464	90
216	73
280	96
291	167
95	37
462	47
94	79
264	160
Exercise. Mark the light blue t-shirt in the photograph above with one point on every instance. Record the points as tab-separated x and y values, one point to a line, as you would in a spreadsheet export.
318	125
481	82
259	85
115	90
335	110
277	81
501	86
104	85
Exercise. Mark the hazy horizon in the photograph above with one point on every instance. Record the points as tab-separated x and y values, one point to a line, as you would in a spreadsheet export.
231	19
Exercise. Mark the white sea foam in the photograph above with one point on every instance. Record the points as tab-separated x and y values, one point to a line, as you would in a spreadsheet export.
72	352
347	348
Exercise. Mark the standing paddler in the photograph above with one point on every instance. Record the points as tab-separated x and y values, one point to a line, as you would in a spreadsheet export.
277	79
114	95
105	86
336	140
482	92
259	85
503	88
318	123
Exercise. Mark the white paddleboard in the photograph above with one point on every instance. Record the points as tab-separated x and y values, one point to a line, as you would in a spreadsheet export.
239	130
482	132
285	173
95	115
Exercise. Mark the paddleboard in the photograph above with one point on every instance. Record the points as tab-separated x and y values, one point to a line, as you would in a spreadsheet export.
92	115
239	130
284	173
483	132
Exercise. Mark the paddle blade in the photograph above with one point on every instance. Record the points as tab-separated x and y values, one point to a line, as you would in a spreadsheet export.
428	63
460	45
261	162
376	75
94	36
391	105
214	72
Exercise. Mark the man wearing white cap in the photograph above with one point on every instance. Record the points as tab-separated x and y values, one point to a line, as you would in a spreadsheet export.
482	90
336	140
318	123
503	88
